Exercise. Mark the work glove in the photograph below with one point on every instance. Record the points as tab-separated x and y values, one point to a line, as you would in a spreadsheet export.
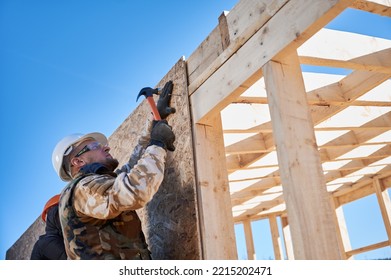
146	132
163	104
162	135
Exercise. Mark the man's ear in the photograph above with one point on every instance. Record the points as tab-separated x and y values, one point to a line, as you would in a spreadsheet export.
78	162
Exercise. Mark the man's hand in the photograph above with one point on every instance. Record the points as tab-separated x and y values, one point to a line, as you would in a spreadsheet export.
163	104
162	135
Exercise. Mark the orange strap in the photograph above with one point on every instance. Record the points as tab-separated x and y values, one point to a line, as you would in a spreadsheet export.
51	202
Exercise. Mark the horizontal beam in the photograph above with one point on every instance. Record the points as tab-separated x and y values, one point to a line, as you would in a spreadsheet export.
348	89
380	7
243	68
368	248
236	27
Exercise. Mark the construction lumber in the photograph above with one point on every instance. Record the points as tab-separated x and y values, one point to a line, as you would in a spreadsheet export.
380	7
368	248
348	50
248	234
344	92
385	205
287	238
234	30
304	188
276	240
222	88
342	233
217	226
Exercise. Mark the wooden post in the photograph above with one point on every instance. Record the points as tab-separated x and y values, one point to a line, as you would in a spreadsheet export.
214	201
287	238
249	240
385	205
309	210
278	255
344	243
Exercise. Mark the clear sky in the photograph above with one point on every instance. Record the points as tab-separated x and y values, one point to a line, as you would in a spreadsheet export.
77	66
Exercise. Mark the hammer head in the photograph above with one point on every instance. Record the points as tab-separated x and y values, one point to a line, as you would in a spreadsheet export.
147	92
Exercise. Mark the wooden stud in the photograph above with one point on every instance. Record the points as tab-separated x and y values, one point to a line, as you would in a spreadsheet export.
385	205
215	210
275	237
249	240
309	210
287	238
344	241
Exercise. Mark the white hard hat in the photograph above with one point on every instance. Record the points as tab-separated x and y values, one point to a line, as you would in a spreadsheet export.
64	147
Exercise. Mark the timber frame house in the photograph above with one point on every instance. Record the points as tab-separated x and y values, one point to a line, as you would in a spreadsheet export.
325	143
259	138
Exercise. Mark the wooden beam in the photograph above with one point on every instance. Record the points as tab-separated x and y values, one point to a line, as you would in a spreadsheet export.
344	195
363	64
261	207
228	82
313	101
342	49
343	235
363	187
242	22
259	144
349	140
329	128
381	7
263	215
309	210
278	255
254	190
235	162
287	238
383	199
368	248
333	149
264	185
248	234
224	32
217	227
346	90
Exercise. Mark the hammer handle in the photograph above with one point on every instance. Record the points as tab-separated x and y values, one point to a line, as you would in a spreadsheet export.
155	112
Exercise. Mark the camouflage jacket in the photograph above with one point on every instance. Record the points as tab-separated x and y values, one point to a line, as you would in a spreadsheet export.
97	211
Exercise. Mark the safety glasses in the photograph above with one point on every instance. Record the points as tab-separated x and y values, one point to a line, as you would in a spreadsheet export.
90	147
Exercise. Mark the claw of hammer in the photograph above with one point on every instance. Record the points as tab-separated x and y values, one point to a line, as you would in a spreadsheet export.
148	93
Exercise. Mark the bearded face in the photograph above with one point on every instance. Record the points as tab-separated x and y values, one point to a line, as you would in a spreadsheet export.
111	163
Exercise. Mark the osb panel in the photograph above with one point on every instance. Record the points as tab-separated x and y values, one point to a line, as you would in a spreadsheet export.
170	220
205	54
21	250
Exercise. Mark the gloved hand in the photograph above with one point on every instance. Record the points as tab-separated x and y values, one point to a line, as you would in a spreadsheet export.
163	104
162	135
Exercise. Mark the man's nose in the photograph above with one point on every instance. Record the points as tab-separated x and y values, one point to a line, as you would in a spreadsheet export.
106	148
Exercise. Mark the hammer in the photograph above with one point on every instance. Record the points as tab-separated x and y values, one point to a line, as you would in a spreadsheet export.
148	93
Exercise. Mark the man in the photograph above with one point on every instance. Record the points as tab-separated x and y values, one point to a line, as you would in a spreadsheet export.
50	246
97	208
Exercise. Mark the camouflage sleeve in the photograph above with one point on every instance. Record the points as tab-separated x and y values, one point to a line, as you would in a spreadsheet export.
139	149
105	197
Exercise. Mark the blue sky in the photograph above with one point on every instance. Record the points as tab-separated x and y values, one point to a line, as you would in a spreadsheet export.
77	66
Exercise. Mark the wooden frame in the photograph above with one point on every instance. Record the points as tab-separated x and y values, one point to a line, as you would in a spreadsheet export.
247	62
